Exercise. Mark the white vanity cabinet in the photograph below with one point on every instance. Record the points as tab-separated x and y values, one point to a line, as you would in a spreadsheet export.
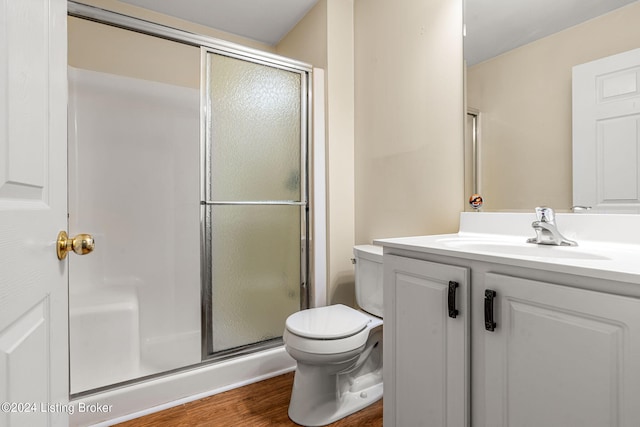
560	356
426	342
564	350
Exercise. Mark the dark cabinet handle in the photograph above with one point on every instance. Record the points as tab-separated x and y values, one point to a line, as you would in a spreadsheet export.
452	299
489	296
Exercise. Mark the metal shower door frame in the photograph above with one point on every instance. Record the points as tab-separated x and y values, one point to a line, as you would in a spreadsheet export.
206	243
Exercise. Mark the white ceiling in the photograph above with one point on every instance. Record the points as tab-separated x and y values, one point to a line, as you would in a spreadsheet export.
493	26
497	26
267	21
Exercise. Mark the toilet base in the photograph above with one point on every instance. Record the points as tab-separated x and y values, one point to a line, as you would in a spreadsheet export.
328	413
328	387
324	394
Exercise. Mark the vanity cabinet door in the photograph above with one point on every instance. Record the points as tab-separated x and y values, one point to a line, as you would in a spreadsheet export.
561	356
426	348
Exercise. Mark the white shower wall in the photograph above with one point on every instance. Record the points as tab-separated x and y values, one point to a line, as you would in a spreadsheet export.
134	184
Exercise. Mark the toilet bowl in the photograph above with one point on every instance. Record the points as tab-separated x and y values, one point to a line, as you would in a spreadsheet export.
338	350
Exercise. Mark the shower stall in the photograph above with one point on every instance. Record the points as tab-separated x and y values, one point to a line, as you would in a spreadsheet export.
195	187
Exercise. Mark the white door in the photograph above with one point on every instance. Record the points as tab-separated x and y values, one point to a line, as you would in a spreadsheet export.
426	351
33	206
606	133
561	357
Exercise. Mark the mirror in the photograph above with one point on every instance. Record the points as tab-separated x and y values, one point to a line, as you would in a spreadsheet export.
519	58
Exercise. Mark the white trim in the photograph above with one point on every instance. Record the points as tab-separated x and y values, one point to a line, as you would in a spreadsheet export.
319	234
158	394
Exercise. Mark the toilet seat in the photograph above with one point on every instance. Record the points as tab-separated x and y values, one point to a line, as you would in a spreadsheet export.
327	323
327	330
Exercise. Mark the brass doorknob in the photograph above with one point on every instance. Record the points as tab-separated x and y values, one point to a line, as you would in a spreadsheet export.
82	244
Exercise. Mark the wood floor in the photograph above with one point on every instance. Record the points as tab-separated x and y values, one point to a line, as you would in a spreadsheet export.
261	404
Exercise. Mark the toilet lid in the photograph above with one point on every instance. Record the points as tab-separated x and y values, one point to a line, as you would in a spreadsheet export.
330	322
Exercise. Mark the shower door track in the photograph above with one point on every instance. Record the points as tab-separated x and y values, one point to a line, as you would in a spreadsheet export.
103	16
126	22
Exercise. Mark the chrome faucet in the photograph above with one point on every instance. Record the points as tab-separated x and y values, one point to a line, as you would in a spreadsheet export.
546	230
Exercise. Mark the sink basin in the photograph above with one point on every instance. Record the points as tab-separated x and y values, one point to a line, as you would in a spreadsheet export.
514	248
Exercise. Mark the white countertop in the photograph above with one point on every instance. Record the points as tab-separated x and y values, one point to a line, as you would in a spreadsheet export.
608	245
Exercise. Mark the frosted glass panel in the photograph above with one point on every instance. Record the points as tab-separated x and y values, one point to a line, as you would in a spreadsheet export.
255	272
254	129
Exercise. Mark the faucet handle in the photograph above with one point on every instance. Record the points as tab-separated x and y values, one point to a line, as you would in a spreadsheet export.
545	214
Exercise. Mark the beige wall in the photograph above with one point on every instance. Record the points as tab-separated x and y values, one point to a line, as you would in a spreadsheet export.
325	39
394	120
409	118
340	149
108	49
159	18
307	41
524	98
104	48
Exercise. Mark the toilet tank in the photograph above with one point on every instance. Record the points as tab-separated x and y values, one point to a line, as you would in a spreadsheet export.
368	270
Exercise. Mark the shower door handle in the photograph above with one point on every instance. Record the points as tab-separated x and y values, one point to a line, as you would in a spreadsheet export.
81	244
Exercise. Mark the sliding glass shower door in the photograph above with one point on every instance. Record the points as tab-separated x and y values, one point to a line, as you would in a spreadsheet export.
254	201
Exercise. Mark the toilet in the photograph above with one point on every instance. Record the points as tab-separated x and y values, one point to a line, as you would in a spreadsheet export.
338	350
